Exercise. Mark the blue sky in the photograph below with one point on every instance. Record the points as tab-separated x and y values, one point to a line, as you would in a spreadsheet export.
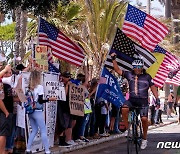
156	7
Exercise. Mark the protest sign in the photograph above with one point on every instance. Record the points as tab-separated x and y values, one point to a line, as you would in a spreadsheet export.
53	88
76	99
51	107
20	121
41	57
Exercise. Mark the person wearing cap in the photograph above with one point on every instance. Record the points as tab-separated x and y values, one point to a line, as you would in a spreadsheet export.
139	83
64	119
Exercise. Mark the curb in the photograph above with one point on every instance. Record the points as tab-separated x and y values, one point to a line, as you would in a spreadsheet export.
102	140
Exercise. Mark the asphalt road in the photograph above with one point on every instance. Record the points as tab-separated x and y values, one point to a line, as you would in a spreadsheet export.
169	133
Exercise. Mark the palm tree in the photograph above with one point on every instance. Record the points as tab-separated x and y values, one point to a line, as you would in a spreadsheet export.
92	24
97	32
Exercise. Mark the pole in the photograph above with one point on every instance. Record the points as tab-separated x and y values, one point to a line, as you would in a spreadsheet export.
149	7
168	9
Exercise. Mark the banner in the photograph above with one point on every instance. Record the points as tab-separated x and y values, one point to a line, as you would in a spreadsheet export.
41	57
109	89
76	99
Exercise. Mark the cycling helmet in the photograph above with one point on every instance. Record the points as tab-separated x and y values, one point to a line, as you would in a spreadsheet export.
138	62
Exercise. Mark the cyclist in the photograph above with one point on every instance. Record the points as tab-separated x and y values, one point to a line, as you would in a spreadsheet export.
139	83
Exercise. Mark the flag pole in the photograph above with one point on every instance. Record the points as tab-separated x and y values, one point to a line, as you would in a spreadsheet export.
102	65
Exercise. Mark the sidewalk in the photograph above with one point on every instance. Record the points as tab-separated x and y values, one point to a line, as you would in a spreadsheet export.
60	150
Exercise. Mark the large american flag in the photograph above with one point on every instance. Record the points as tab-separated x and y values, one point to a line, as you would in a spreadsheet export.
143	27
61	46
169	62
126	51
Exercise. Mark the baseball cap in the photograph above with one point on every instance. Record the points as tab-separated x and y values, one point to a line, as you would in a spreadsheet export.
20	67
66	74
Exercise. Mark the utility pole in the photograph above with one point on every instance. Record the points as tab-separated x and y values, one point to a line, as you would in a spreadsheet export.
148	6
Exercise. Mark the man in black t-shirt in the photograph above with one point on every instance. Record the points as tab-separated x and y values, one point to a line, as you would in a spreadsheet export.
139	83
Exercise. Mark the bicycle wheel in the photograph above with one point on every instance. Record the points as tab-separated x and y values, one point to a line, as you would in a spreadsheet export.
130	139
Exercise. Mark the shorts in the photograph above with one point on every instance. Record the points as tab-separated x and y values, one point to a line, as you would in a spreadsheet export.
138	102
170	104
114	111
64	120
6	124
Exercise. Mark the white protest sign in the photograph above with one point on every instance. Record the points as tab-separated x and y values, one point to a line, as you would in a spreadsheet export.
53	88
25	81
50	107
20	121
76	99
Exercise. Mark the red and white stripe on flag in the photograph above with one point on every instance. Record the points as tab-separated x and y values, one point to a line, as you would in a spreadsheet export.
144	28
61	46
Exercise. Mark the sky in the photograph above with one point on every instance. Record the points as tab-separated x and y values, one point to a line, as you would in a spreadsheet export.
156	8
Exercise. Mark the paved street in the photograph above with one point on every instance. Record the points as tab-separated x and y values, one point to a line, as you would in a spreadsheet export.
169	133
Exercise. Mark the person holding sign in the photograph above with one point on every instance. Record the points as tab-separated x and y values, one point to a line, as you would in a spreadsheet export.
139	83
37	117
64	118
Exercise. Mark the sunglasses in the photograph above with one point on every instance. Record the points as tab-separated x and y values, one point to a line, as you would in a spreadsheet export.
137	66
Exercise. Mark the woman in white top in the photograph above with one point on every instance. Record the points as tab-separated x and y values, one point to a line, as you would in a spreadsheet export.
37	118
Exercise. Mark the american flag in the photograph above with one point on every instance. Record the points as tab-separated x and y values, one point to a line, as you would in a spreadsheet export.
175	80
52	68
126	51
170	61
62	47
144	28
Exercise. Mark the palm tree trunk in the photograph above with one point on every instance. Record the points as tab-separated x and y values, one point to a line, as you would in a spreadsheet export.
23	26
17	30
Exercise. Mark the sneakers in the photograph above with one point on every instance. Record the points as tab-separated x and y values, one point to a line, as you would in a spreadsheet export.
83	139
105	135
65	145
28	152
126	133
96	136
144	144
71	142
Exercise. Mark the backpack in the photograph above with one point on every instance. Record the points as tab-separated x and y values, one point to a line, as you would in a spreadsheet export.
30	103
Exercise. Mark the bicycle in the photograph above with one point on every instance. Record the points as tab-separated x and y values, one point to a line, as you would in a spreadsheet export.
134	137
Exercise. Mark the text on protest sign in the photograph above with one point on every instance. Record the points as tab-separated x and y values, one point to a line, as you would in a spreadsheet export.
54	89
76	99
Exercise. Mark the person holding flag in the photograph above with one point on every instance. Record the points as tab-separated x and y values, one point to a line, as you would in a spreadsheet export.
139	83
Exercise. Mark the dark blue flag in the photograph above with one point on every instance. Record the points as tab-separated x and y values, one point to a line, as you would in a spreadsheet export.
109	89
52	68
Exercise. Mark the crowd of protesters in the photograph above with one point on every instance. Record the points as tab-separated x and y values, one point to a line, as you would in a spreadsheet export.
101	118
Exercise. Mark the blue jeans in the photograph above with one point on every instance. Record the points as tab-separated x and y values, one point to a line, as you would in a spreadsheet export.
37	121
83	123
10	139
116	124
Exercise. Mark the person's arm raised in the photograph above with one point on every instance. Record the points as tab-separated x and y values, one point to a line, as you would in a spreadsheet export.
115	65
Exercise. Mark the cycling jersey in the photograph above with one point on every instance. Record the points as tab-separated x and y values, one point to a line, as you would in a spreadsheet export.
138	84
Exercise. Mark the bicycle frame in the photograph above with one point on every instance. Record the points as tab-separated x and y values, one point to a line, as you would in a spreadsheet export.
134	127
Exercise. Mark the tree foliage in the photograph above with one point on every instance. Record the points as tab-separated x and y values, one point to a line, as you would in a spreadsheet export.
7	32
38	7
